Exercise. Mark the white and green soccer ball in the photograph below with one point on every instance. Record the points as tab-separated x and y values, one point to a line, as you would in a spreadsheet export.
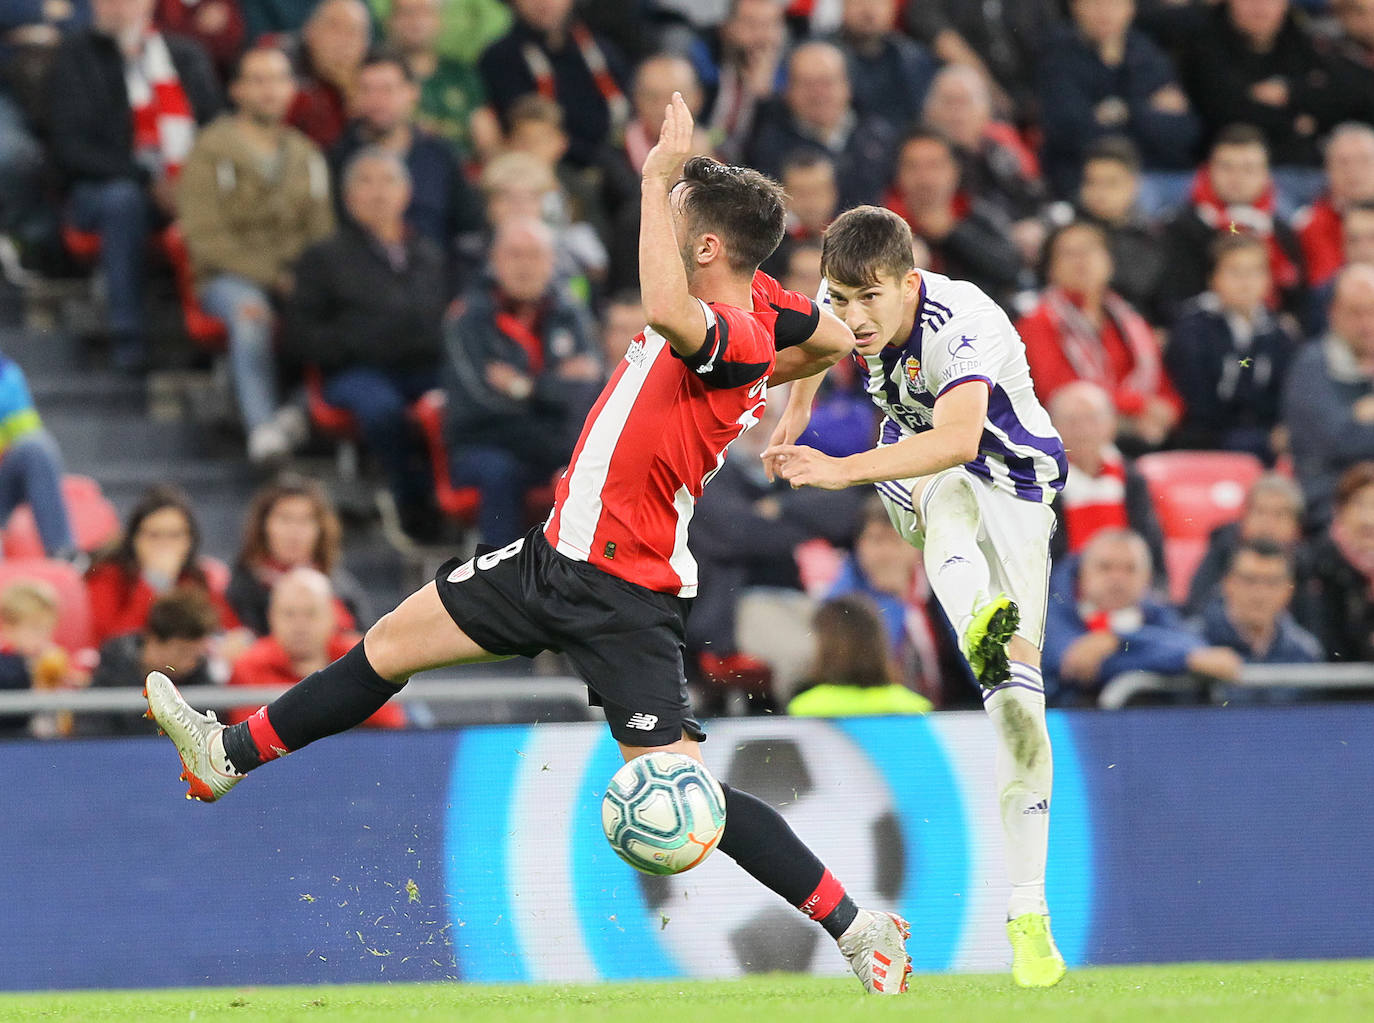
663	813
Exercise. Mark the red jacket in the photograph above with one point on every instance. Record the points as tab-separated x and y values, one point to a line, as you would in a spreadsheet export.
120	604
265	664
1319	231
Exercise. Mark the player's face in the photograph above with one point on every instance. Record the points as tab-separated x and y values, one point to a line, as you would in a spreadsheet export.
876	312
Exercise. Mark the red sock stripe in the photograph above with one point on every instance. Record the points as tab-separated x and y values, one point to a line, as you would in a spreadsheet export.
824	899
265	737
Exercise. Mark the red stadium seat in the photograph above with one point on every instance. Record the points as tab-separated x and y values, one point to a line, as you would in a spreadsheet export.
456	502
205	330
94	520
74	609
330	419
1193	493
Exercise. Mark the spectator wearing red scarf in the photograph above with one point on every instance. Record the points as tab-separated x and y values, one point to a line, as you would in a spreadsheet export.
1082	330
968	239
1349	181
520	373
1232	192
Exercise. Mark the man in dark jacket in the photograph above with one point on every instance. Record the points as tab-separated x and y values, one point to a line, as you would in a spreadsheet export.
1251	614
366	311
890	71
124	103
1100	76
521	374
817	113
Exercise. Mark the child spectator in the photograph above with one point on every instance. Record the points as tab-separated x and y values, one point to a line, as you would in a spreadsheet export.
28	656
1233	192
158	553
1108	196
1228	355
175	638
304	636
291	524
852	675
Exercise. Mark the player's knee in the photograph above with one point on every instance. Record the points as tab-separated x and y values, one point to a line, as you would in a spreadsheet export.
949	497
385	646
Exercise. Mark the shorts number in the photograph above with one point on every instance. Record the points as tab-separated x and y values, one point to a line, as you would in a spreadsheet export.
493	558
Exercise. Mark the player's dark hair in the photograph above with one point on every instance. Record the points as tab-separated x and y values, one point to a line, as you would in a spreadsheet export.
865	244
1262	548
1226	243
181	614
255	553
156	499
851	644
1116	149
745	208
1239	135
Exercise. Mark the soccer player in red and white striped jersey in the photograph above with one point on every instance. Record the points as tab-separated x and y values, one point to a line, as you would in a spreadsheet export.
607	581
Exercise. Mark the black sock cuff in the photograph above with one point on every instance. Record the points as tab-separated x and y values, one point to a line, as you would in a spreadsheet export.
357	665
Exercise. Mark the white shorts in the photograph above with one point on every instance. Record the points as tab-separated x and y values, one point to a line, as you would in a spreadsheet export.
1014	537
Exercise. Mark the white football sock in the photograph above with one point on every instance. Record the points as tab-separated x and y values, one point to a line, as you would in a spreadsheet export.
955	562
1025	776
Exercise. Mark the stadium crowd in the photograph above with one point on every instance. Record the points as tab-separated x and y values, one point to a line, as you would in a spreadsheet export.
366	203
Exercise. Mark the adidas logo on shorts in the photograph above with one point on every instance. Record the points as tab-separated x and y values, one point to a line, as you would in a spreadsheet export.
1041	807
643	722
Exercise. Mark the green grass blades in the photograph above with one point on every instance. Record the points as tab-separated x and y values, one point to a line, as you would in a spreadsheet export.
1329	992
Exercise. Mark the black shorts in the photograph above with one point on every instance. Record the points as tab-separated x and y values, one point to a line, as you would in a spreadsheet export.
626	642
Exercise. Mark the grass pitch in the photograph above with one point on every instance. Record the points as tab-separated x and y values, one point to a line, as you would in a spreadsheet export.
1329	992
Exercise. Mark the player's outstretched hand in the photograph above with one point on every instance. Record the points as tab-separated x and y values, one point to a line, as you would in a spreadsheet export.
675	143
790	426
805	467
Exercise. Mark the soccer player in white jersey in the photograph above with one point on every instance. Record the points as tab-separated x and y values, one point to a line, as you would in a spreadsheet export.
967	465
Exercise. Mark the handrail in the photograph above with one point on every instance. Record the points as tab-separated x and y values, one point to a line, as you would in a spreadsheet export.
1120	690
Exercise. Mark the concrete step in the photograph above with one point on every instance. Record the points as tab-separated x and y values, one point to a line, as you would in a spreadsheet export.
43	353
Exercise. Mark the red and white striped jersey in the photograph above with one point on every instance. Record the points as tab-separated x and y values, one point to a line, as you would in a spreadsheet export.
659	432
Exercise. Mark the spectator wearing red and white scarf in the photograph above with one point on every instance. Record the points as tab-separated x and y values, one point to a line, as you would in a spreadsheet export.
553	53
1233	191
125	101
1103	489
1082	330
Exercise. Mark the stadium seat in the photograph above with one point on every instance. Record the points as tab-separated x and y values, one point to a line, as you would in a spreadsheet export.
329	419
1193	493
74	609
94	520
205	330
456	502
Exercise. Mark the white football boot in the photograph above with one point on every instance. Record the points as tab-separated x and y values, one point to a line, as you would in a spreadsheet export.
875	945
198	739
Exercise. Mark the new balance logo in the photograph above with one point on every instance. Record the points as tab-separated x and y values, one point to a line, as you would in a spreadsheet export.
1041	807
643	722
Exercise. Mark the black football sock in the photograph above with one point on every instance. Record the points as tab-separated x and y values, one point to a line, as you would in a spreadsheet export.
333	699
759	840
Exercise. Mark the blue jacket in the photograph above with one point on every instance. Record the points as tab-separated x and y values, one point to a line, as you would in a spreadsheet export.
1292	643
1072	81
18	417
1162	644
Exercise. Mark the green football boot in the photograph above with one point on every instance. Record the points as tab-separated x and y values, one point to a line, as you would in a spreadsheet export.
986	637
1035	961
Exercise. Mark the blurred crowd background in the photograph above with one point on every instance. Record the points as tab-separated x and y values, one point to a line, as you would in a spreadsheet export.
408	229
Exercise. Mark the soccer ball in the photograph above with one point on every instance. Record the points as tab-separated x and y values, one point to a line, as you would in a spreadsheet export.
663	813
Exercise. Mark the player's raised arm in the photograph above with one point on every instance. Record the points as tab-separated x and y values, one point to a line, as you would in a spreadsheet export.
829	343
668	306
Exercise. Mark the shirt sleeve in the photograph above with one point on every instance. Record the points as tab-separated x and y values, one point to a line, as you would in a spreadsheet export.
968	347
797	315
737	351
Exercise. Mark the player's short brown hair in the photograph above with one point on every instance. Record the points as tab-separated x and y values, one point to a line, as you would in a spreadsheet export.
864	244
747	209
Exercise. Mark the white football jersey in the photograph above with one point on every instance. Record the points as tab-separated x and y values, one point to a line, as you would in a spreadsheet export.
960	335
